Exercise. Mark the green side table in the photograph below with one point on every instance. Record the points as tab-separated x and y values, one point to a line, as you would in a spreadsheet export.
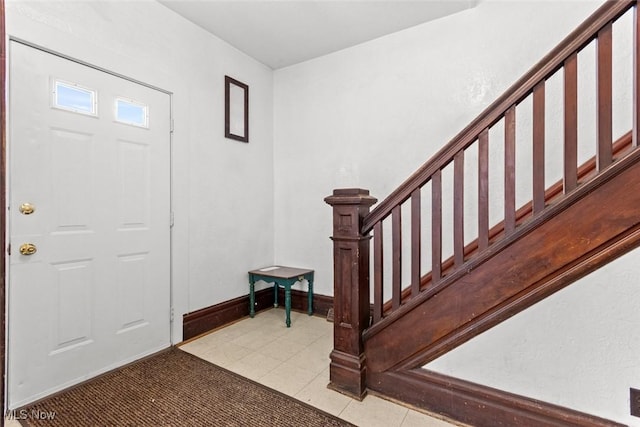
284	277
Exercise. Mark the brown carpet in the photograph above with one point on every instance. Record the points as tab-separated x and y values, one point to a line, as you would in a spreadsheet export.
174	388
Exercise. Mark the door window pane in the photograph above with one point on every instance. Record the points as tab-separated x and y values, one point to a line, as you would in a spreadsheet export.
132	113
71	97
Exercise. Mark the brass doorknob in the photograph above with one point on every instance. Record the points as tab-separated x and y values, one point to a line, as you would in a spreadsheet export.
27	208
28	249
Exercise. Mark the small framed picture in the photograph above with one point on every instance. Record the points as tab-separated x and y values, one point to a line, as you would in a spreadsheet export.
236	110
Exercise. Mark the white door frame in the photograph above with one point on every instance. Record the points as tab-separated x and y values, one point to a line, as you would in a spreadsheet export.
6	192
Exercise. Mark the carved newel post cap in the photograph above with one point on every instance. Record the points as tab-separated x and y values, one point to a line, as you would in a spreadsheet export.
350	196
350	192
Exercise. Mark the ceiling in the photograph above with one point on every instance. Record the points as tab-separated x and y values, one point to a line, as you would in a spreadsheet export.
280	33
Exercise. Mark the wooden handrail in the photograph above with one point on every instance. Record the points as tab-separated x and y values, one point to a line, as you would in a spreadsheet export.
553	194
573	43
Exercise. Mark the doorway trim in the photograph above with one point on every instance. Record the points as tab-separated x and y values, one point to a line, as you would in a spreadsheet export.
3	205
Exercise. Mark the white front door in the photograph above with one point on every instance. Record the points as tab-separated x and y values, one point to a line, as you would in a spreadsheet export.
90	157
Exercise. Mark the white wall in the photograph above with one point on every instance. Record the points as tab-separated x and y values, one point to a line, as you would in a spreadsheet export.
370	115
222	189
578	348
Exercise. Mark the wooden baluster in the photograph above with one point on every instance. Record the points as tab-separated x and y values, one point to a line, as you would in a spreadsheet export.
570	176
636	76
510	170
604	98
483	190
396	249
436	227
538	148
416	244
378	272
458	208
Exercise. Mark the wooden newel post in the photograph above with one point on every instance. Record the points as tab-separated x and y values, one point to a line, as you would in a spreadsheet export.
350	290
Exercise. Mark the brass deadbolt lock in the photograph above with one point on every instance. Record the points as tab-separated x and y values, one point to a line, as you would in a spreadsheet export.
28	249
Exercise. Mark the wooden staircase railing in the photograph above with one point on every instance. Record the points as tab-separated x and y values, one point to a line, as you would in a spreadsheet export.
553	195
353	223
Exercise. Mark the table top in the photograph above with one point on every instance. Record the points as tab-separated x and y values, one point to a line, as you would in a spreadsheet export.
281	272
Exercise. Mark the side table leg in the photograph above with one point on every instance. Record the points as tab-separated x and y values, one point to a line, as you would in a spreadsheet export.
287	304
252	298
310	296
275	294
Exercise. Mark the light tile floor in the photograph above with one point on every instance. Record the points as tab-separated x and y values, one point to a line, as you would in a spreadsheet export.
295	361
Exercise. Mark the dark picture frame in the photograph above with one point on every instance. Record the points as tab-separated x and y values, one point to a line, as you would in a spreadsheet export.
236	110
